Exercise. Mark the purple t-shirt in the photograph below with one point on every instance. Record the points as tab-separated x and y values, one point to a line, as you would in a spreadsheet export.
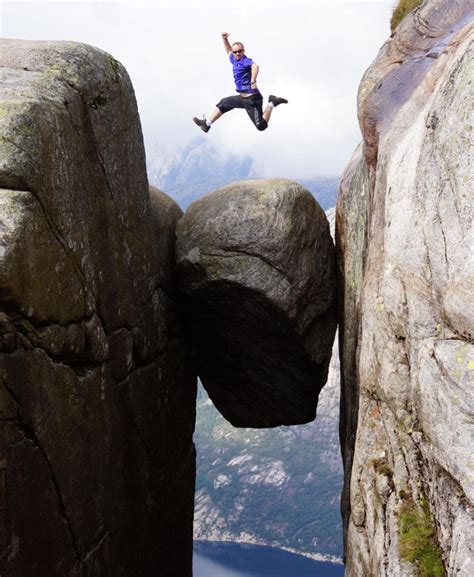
242	73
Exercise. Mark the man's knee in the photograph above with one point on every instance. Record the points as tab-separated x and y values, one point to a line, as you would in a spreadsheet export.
258	119
221	105
226	104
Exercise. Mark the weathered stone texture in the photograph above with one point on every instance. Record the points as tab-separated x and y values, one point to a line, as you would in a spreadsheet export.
405	239
96	395
256	270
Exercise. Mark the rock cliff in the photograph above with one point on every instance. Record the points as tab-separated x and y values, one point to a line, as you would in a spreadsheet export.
97	389
97	400
256	269
404	242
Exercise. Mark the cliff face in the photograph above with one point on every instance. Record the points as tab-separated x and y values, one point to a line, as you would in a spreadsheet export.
404	241
96	398
97	394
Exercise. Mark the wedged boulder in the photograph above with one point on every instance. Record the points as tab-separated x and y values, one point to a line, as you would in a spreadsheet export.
97	400
256	269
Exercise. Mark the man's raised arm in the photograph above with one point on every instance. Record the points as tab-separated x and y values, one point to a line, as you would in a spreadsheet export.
225	38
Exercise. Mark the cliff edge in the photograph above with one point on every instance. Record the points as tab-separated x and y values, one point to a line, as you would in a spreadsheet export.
404	242
97	401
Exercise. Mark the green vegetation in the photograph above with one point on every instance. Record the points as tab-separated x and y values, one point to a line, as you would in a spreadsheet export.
403	8
418	539
114	65
24	327
382	467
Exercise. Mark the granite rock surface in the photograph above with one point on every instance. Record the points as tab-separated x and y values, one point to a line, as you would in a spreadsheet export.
256	269
97	399
404	242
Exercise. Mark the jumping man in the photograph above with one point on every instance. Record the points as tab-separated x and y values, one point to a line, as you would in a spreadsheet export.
248	97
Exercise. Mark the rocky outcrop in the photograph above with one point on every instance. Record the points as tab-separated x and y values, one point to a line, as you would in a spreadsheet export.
257	274
252	485
96	397
405	237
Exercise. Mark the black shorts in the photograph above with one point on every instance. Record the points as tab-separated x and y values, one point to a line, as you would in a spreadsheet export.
252	104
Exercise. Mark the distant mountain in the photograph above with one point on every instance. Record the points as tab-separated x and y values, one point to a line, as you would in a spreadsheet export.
277	487
280	486
324	190
200	168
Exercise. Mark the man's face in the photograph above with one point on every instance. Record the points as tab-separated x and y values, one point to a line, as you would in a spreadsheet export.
238	51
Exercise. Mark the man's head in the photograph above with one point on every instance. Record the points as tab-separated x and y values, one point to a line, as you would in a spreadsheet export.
238	50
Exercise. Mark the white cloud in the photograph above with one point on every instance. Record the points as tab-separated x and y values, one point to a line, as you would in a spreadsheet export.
313	53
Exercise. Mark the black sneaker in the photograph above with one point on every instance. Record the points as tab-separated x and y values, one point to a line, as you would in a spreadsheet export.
202	124
276	100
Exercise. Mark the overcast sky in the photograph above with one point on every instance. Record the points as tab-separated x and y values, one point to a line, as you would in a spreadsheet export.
312	53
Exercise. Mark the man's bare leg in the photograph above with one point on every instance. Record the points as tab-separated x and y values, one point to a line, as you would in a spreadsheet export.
216	113
273	102
267	113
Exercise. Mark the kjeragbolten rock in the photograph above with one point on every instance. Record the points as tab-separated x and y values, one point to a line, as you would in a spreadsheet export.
256	271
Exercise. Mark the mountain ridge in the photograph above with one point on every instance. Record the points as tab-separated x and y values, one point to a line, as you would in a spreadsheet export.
200	168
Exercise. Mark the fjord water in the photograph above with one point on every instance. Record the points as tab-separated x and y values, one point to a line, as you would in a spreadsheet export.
241	560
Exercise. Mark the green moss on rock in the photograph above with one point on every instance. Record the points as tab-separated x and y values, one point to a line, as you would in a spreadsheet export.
382	467
403	8
24	327
114	65
418	539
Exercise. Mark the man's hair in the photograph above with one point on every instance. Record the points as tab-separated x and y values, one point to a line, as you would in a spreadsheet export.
238	44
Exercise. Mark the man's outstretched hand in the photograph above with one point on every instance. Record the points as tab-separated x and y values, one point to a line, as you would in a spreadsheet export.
225	39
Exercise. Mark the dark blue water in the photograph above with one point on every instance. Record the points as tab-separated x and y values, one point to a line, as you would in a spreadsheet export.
239	560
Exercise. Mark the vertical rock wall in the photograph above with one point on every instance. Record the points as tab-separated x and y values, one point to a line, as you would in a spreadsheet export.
405	238
96	399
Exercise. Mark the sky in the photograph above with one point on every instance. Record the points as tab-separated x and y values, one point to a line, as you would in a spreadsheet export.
313	53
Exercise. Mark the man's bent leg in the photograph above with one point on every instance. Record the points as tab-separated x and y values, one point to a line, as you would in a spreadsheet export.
273	102
229	103
267	113
253	106
216	113
222	106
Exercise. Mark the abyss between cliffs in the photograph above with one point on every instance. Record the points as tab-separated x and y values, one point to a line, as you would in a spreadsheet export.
113	302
